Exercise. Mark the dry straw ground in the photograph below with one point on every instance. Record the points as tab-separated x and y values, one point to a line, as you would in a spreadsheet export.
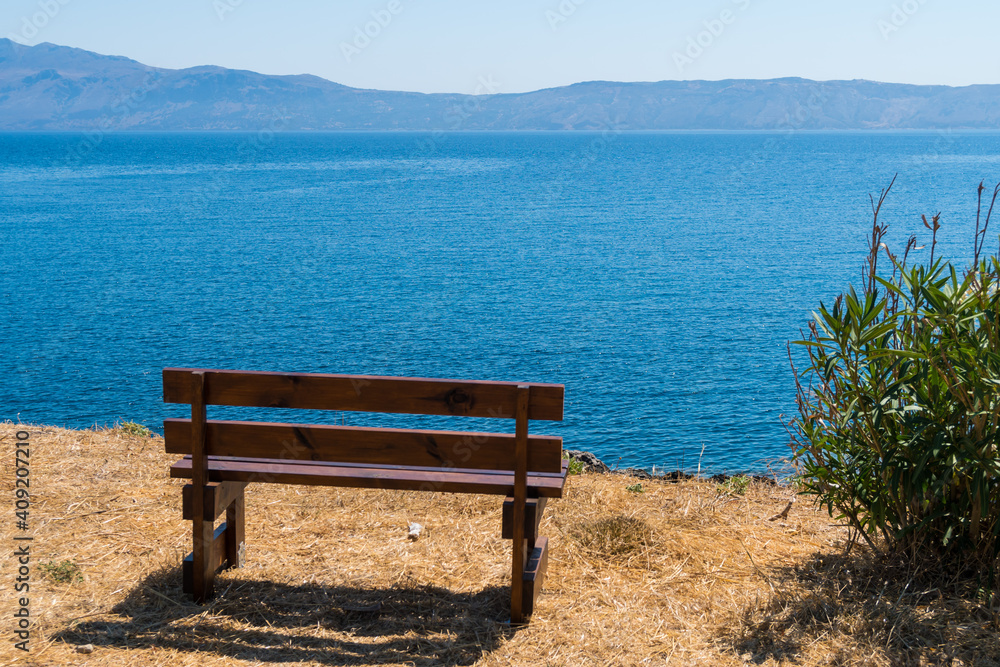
677	574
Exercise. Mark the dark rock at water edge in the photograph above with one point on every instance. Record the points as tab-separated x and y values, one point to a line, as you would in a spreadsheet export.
593	464
590	462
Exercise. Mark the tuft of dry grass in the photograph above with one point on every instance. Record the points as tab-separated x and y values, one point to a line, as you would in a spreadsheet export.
612	537
675	575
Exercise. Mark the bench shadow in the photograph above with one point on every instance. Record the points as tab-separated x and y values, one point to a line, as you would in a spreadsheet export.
837	595
262	621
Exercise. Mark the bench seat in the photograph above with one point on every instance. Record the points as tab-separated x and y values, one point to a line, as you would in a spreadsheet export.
357	475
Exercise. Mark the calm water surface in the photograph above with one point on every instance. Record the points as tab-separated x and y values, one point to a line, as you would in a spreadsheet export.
657	276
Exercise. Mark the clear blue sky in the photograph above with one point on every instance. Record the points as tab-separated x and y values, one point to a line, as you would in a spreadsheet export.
521	45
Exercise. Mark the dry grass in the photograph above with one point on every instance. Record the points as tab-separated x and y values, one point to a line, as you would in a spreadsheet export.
675	575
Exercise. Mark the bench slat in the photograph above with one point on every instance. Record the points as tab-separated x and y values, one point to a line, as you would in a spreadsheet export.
387	467
311	473
364	393
353	444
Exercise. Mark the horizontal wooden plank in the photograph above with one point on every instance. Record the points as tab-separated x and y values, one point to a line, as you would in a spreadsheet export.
312	473
363	393
502	473
373	446
218	496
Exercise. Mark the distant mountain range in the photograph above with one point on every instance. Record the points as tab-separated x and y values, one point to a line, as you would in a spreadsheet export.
50	87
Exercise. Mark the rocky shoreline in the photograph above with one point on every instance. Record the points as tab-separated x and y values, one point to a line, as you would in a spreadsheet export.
591	463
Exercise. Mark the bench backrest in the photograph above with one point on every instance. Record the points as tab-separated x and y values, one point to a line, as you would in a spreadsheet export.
363	393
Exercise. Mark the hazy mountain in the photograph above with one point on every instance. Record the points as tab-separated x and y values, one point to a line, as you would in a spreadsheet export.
50	87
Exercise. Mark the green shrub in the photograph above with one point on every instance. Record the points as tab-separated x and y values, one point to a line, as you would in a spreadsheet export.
575	466
635	488
133	429
66	572
899	405
734	486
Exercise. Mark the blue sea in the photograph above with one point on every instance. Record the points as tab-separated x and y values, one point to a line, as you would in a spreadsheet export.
659	276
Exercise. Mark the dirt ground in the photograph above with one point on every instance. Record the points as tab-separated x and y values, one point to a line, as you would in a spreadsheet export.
686	573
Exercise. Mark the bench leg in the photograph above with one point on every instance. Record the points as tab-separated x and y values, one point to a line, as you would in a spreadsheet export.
235	532
202	571
534	574
215	549
535	556
519	561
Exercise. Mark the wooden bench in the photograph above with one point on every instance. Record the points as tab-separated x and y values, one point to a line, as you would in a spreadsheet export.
222	457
